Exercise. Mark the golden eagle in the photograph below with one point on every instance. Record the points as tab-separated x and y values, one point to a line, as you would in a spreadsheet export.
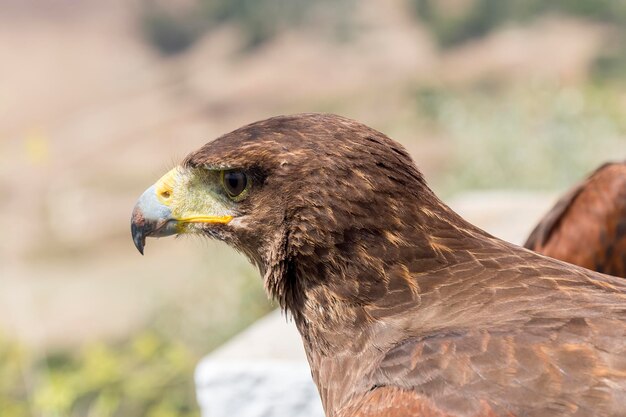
405	309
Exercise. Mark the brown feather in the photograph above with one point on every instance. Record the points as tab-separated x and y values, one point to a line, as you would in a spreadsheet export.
406	309
587	226
396	402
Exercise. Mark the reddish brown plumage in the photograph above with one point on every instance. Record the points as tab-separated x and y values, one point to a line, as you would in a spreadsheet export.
587	226
397	402
404	308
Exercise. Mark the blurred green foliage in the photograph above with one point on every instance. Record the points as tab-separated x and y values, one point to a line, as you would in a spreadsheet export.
479	17
171	30
170	33
146	376
611	64
542	136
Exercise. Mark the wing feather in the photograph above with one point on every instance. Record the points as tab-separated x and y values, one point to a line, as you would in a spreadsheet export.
587	226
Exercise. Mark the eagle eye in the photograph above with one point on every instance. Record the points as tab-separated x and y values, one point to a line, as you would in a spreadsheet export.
234	182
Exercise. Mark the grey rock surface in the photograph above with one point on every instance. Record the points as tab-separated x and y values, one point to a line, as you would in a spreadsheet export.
269	388
263	372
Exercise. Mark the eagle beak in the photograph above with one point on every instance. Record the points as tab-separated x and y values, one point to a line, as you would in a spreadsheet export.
170	205
151	217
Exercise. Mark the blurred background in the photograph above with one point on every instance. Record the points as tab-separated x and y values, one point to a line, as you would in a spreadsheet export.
99	98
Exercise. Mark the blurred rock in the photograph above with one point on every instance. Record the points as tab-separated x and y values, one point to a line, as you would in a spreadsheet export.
261	372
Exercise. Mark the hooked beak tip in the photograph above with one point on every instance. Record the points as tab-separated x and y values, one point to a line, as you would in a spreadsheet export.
137	230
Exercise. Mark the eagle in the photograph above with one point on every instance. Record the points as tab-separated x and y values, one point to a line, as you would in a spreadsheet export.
587	226
404	308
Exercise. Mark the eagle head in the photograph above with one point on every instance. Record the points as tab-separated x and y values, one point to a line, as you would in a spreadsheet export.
308	191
